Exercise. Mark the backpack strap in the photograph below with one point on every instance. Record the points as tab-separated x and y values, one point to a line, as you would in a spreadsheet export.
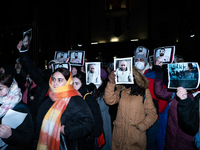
85	95
144	96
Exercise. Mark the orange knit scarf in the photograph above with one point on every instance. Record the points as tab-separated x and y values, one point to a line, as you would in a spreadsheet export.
50	131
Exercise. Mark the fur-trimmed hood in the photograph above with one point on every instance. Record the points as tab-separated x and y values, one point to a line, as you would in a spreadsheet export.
141	80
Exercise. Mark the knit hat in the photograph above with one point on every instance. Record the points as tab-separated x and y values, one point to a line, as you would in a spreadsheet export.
141	56
103	74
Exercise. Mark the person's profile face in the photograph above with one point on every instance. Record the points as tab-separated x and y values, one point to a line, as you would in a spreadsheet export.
77	83
92	68
25	41
3	89
123	65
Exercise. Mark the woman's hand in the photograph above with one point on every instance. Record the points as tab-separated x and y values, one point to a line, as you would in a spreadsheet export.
159	63
5	131
181	93
62	129
19	45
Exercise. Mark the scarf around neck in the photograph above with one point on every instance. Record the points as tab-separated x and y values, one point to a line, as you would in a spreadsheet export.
11	99
50	131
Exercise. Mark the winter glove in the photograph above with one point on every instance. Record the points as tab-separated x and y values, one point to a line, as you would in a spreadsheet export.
159	72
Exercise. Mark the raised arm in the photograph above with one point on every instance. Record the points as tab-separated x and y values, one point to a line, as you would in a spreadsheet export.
159	90
32	70
111	96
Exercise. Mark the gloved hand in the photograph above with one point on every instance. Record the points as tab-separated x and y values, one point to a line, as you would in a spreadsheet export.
158	68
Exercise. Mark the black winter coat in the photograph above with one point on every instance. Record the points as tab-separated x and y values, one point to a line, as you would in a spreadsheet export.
23	136
77	118
188	115
87	143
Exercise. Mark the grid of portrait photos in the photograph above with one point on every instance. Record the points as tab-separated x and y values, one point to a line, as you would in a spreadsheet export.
59	65
26	40
164	54
141	50
184	75
76	57
93	73
123	67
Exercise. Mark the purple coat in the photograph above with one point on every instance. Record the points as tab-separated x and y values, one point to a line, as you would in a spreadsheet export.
175	138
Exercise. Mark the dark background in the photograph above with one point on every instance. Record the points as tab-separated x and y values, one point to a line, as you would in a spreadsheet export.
61	26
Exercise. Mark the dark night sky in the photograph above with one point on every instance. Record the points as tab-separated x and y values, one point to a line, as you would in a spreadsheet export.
53	18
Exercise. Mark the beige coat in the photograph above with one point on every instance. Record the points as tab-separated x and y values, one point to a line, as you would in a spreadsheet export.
131	113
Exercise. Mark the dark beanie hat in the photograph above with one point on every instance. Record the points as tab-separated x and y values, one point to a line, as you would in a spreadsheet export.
140	56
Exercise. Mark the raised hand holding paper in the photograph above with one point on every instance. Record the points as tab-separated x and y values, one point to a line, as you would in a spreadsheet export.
184	75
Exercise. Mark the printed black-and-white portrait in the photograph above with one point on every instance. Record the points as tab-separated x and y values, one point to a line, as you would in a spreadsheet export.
64	65
76	57
61	56
164	54
92	72
123	68
26	40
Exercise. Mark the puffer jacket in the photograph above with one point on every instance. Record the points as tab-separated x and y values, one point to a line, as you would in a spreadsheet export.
77	118
132	114
176	138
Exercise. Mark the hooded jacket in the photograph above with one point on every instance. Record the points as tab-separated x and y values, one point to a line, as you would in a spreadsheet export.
133	116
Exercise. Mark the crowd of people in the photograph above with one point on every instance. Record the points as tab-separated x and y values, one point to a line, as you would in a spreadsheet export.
60	110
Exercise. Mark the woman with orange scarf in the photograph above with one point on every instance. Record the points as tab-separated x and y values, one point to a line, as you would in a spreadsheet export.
64	116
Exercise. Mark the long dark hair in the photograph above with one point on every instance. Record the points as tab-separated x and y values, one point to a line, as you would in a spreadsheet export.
6	79
81	77
136	89
100	91
65	72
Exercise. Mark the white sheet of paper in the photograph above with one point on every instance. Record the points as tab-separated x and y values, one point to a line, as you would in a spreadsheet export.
13	118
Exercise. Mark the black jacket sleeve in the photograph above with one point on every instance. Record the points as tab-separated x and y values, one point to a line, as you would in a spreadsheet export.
38	77
32	70
23	135
188	115
77	118
95	109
